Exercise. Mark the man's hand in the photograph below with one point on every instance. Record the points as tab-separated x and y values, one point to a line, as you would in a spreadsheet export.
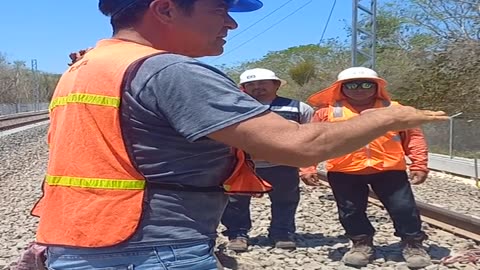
76	56
418	177
405	117
310	179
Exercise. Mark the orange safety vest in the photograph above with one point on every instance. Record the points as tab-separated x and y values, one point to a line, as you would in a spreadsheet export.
93	194
383	153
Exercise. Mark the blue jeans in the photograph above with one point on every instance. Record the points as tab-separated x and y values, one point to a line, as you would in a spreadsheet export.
284	198
394	191
195	256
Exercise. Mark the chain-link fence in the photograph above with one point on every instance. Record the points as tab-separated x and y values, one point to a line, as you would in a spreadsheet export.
12	108
457	137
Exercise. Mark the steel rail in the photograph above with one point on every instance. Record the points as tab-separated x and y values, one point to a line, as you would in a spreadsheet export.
19	120
21	115
453	222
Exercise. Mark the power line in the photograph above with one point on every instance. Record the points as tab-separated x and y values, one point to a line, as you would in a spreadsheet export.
275	24
266	16
324	30
328	21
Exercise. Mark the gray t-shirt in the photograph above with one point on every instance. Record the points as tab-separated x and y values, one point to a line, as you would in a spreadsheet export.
173	103
305	115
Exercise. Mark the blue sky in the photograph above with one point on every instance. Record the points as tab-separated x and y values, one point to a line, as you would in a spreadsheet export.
49	30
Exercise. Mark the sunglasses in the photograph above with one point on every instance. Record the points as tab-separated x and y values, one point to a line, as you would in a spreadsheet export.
356	85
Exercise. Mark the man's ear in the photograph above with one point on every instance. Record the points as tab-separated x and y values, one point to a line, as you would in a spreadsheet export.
163	10
277	84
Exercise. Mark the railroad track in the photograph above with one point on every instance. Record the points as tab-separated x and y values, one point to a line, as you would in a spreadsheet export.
453	222
22	119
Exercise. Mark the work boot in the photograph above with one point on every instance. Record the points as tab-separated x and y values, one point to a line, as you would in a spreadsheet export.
286	242
238	244
414	253
361	252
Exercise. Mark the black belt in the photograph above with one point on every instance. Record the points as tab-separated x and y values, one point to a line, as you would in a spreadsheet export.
187	188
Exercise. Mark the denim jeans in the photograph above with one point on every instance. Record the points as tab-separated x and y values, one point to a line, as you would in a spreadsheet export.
284	201
195	256
394	191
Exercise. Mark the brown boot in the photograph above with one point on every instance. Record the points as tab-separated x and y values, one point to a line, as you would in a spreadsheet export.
361	252
238	244
284	241
414	253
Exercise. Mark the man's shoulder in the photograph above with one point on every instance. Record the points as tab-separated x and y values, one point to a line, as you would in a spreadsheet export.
160	61
178	67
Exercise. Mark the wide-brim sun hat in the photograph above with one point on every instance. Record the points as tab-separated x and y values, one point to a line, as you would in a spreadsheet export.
357	73
332	93
259	74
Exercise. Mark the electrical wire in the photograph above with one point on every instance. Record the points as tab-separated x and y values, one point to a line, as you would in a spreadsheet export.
328	21
254	37
324	30
263	18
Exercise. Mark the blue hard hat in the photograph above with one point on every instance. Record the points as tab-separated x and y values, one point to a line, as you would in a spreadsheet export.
234	5
244	5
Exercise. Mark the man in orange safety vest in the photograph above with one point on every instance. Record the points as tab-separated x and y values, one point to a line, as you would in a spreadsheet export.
146	142
379	163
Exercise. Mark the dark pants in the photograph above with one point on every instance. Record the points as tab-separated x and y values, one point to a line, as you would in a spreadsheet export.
394	191
284	201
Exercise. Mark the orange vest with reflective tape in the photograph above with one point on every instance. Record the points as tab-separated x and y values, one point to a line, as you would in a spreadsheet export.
93	194
382	154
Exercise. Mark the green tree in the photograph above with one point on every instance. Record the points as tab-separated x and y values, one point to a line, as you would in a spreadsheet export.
302	72
19	85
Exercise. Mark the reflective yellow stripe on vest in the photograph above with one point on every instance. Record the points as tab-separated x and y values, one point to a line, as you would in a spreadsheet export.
85	99
99	183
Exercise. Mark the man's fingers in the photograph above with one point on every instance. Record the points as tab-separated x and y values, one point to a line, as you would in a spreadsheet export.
416	181
315	182
434	113
438	113
417	178
73	56
311	180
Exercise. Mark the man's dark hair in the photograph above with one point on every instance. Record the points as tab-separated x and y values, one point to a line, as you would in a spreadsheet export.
126	15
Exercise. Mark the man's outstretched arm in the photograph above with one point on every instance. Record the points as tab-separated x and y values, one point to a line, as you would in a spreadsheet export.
271	137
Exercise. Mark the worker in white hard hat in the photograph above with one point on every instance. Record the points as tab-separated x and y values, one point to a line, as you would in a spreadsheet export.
263	84
379	164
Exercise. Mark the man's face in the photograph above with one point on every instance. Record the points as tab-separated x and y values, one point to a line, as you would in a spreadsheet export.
262	90
203	31
360	90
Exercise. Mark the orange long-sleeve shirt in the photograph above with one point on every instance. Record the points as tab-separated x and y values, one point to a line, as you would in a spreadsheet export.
413	141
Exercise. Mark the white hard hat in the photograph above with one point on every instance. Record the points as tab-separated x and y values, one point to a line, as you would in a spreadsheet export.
258	74
357	73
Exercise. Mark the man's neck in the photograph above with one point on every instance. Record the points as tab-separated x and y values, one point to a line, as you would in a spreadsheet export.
362	105
132	36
